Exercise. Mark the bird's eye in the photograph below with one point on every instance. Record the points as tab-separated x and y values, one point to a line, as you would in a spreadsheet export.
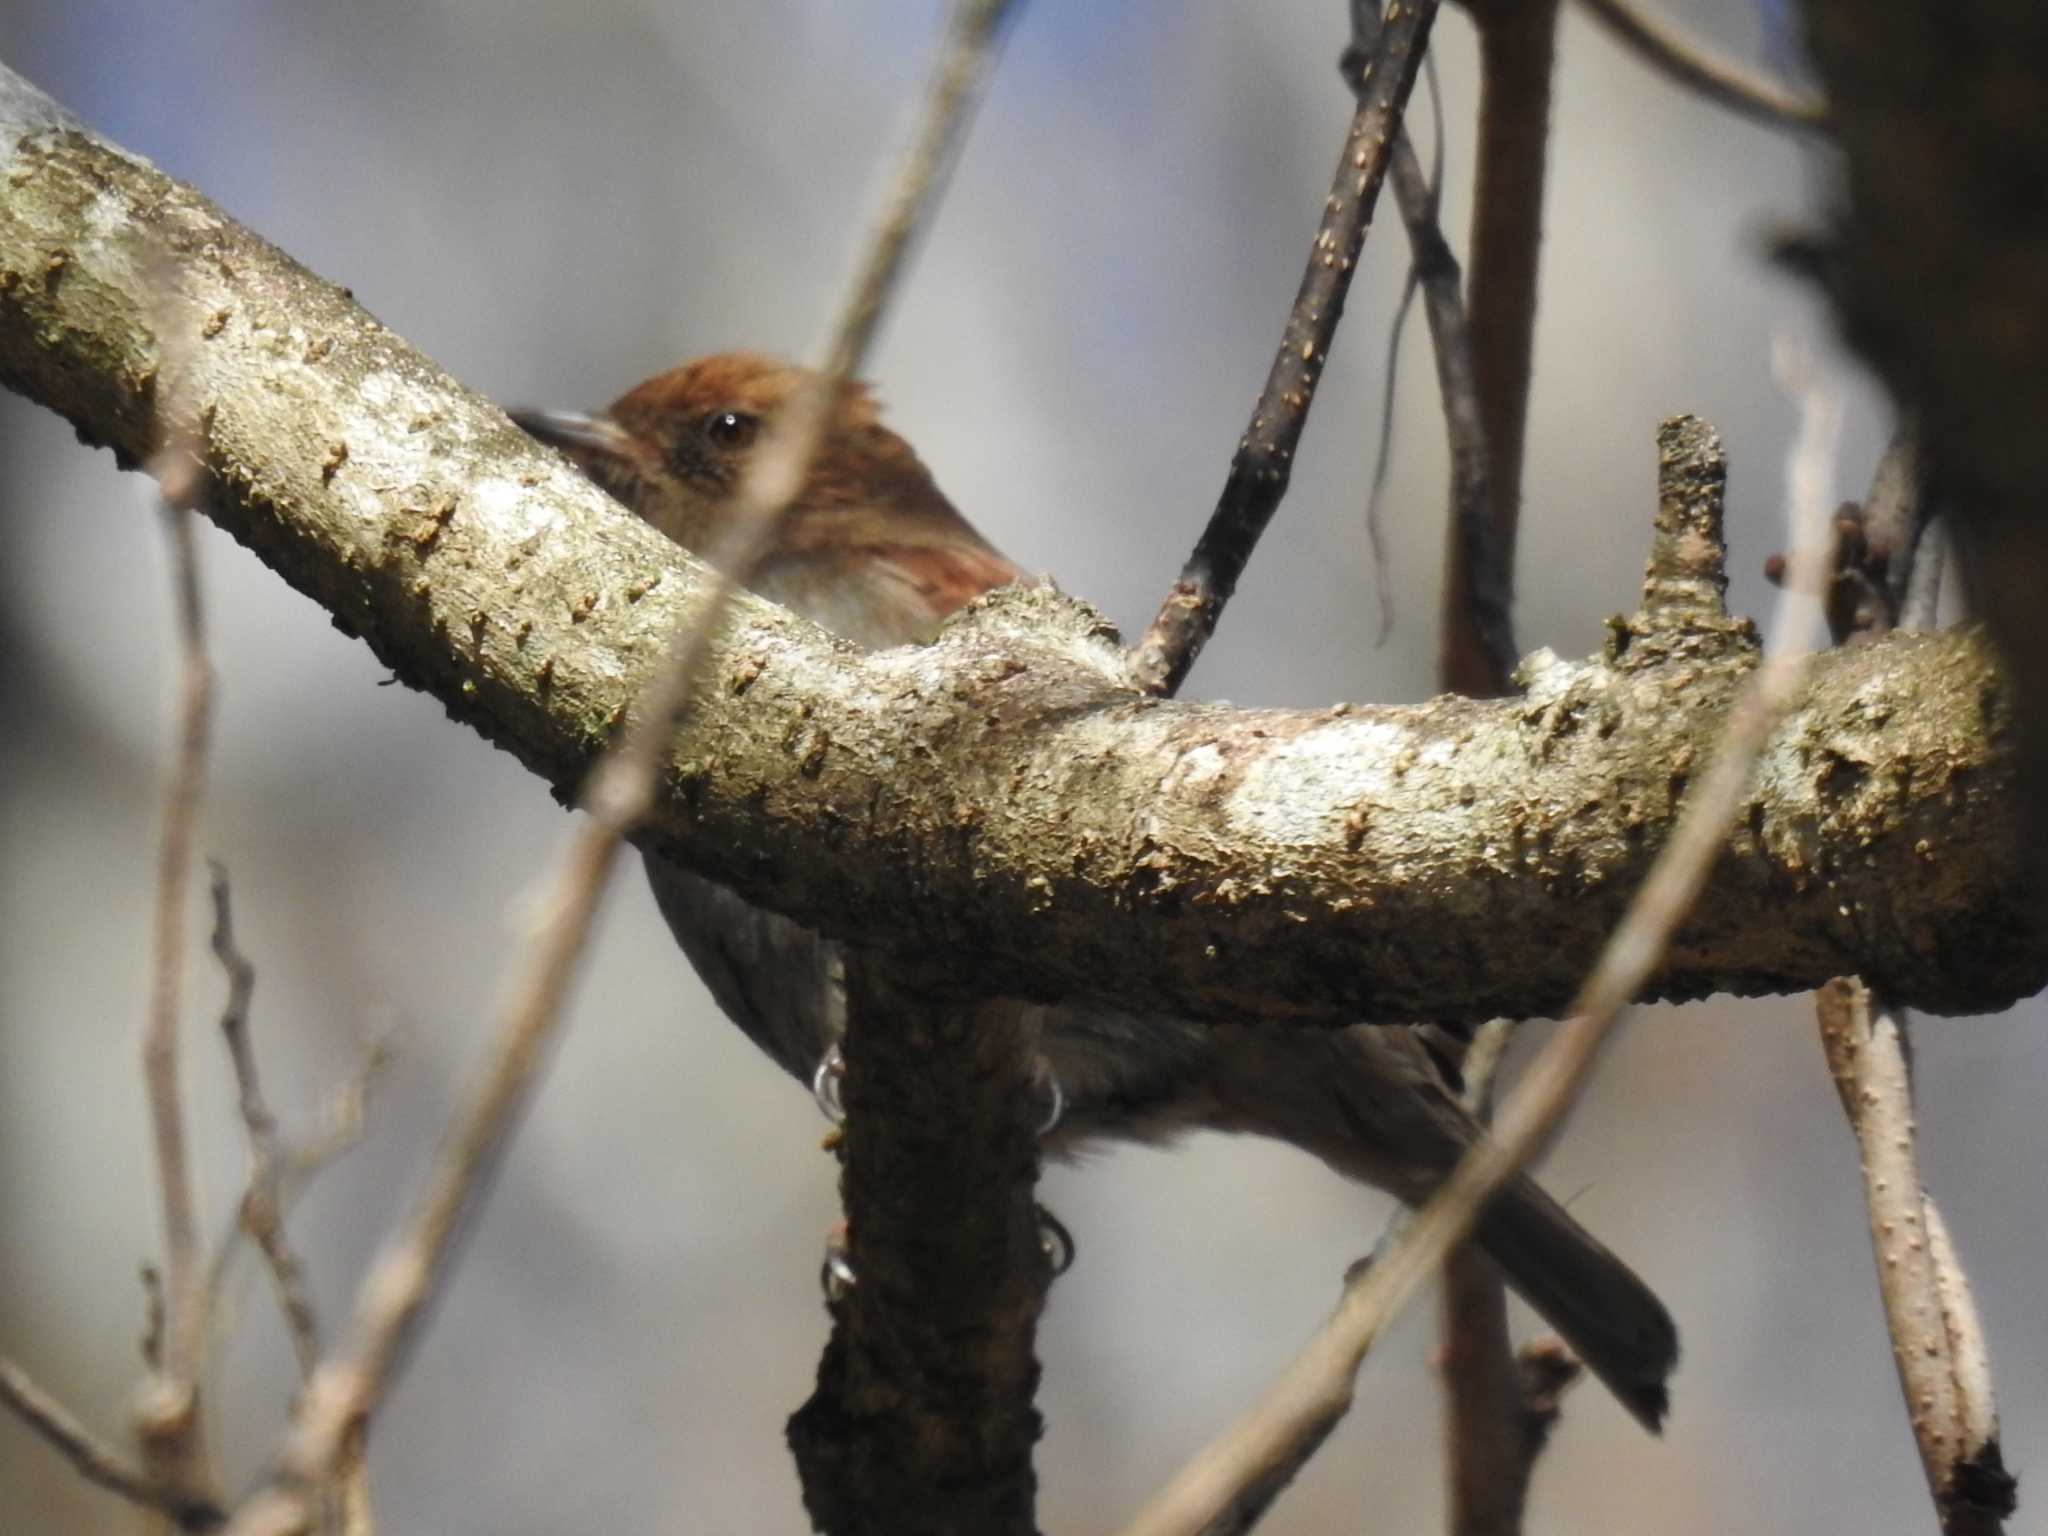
731	429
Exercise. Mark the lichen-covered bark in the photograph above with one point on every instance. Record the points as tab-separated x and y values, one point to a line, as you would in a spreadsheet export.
1005	792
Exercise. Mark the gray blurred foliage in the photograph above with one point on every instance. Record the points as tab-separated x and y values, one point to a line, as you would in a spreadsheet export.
556	200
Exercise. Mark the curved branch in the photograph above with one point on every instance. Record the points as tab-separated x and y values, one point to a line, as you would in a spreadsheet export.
1006	790
1719	80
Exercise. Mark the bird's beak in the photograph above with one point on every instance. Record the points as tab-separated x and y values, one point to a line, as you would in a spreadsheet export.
580	436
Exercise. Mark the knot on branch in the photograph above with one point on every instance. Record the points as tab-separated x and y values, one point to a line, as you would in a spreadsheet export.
1684	611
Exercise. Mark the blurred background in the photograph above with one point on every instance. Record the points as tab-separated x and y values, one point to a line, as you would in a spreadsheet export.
556	200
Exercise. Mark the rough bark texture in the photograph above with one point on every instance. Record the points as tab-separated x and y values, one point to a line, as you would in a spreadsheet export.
1939	265
922	1420
1005	792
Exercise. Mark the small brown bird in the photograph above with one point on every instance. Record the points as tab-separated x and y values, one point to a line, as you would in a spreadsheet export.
872	550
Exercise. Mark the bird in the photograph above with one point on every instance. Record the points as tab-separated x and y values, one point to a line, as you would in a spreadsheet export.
871	549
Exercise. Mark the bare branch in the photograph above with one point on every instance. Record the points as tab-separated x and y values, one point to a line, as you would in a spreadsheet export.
341	1128
97	1462
261	1213
168	1417
1264	460
1937	1341
1433	272
1719	80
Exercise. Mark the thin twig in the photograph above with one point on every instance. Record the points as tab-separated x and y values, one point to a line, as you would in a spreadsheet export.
262	1206
1433	272
167	1414
342	1121
1938	1345
1416	191
402	1281
1324	1372
1265	456
1937	1341
1243	1507
1718	79
340	1129
96	1461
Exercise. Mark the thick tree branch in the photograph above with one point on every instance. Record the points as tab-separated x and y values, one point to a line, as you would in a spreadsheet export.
1006	790
923	1420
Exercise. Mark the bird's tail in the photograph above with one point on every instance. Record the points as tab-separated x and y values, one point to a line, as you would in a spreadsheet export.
1370	1103
1609	1317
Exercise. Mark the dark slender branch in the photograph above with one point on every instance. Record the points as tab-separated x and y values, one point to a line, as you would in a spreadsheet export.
1434	272
1264	460
922	1420
1877	540
1486	571
1413	189
1517	42
1489	1443
97	1462
1719	80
